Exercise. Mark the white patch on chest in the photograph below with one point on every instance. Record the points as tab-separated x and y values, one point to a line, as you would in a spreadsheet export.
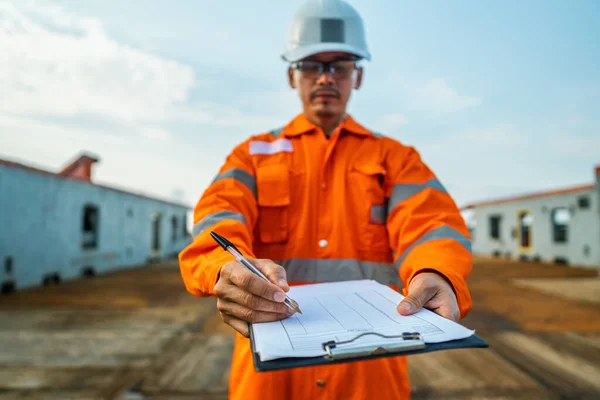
277	146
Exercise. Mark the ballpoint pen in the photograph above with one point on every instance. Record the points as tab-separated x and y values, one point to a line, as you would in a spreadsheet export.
230	247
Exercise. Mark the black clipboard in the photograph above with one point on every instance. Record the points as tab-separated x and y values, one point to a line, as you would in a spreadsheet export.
416	346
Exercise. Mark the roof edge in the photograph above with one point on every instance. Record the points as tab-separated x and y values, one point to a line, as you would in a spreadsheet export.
40	171
529	196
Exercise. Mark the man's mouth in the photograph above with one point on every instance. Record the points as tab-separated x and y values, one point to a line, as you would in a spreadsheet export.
326	93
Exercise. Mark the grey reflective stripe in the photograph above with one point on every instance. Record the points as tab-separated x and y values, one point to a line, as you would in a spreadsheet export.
403	191
332	270
378	214
276	132
332	30
377	134
443	232
239	175
212	219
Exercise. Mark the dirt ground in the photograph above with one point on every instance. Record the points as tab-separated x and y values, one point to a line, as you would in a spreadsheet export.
136	334
583	289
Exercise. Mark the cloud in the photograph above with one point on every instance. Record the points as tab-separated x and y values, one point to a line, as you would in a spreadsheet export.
279	102
505	159
576	146
499	137
390	122
48	143
49	72
221	115
436	96
57	65
155	133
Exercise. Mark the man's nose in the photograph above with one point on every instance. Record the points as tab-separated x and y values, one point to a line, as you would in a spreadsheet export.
325	79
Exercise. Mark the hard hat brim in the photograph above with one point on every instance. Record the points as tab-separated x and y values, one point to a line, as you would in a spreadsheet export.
302	52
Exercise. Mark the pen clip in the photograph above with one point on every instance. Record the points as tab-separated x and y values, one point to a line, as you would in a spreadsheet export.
224	243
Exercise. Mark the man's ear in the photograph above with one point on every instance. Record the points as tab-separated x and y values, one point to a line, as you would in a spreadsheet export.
291	79
358	78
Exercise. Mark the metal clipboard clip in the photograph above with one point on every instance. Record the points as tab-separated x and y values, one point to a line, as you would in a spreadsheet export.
410	341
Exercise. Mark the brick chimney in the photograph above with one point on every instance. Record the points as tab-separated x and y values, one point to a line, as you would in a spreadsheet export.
80	169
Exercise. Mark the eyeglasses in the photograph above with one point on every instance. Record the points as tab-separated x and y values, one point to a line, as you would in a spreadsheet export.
339	69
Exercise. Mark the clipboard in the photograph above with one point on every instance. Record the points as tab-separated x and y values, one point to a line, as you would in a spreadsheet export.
408	343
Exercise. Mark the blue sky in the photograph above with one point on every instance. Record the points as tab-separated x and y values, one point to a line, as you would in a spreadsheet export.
499	98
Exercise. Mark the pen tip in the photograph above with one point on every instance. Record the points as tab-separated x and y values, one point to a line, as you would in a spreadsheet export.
298	309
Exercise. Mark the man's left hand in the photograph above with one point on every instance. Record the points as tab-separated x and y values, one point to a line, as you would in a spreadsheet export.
432	291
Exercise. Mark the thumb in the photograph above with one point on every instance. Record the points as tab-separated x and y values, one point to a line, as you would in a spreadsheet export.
412	303
281	278
275	273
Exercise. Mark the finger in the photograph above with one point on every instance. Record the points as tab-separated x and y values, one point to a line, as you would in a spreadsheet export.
446	310
415	300
445	304
276	273
247	280
249	315
253	302
237	324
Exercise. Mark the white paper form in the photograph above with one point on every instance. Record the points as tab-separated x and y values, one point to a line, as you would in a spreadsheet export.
341	311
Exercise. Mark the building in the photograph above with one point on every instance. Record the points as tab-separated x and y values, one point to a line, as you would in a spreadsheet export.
60	226
560	226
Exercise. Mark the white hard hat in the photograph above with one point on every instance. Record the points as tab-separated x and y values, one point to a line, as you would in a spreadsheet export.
325	25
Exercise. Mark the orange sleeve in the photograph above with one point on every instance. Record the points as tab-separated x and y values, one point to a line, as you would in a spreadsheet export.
426	229
228	207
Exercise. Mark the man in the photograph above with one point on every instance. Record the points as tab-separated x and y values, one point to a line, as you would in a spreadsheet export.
325	199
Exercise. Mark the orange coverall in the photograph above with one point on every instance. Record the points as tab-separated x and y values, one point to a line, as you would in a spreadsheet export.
354	206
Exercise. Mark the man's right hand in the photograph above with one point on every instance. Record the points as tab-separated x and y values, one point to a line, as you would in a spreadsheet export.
243	296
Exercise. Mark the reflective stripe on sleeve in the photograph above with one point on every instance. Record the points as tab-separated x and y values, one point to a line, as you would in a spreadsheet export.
212	219
403	191
241	176
443	232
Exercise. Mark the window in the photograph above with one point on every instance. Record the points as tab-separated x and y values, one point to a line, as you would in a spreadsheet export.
173	228
90	227
586	250
560	224
583	202
495	225
184	225
525	228
8	265
156	228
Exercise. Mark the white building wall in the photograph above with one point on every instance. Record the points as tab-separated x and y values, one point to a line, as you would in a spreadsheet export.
41	227
583	230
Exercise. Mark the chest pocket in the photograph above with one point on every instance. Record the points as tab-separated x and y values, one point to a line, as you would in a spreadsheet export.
370	179
273	192
366	181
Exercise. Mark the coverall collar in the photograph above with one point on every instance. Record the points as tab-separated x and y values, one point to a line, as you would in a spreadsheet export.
301	124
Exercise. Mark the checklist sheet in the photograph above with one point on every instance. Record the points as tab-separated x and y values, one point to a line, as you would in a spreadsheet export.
341	311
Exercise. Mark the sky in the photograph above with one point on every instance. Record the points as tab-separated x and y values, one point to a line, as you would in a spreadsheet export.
499	98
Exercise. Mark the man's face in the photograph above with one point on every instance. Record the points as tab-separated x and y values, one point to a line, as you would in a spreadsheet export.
325	95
